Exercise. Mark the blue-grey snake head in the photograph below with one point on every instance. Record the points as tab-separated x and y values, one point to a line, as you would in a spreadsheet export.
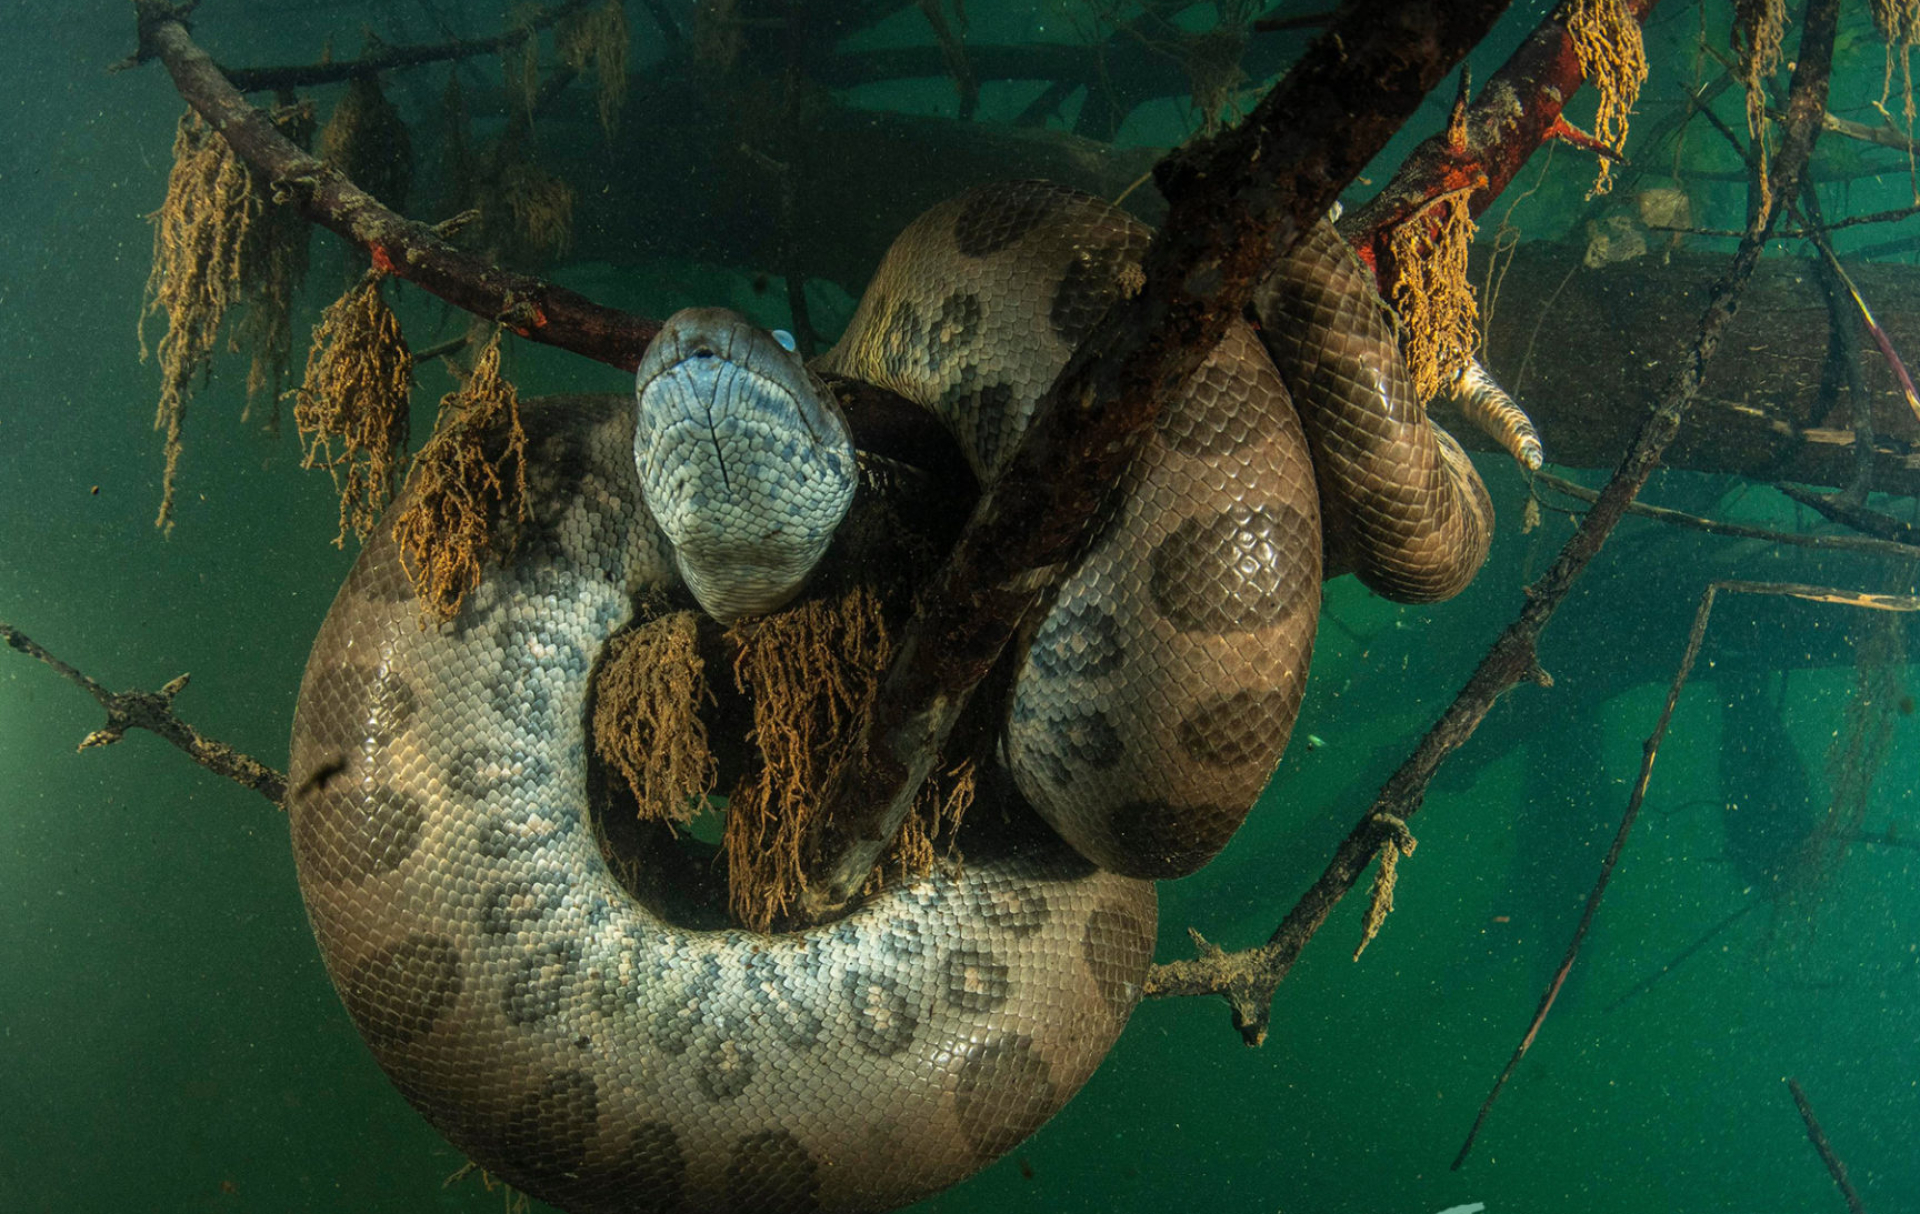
745	460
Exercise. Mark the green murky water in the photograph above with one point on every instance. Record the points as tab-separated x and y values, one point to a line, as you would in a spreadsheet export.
169	1041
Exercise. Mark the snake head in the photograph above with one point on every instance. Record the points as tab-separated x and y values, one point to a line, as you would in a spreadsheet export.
745	460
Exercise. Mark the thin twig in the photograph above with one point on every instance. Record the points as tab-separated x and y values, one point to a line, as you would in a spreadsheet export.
153	711
1850	514
1650	750
1677	518
387	58
1818	1137
1680	958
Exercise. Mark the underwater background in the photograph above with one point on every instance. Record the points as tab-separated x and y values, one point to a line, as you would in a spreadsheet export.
169	1041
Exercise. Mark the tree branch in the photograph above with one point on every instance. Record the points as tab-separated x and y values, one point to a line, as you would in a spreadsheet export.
153	711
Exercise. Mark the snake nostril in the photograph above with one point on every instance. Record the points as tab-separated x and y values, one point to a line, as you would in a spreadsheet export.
703	352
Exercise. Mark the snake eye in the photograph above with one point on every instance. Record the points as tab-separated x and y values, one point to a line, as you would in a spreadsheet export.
786	340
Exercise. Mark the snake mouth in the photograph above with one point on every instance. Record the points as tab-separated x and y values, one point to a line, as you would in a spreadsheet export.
744	462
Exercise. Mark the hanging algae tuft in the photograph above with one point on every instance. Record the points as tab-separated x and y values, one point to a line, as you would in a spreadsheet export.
596	40
1854	757
646	717
1614	57
1759	26
1898	24
219	240
814	672
1385	878
520	61
460	489
540	206
1431	293
367	140
359	374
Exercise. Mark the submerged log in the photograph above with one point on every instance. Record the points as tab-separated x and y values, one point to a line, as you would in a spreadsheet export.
1586	351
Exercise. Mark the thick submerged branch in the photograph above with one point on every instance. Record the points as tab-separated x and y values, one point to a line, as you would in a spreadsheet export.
1236	202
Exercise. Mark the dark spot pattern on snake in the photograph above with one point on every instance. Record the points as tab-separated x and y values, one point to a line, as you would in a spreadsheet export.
539	980
725	1068
956	326
1156	839
976	980
1017	908
345	833
673	1031
1244	727
1076	739
511	907
777	1002
398	994
903	941
651	1176
772	1171
883	1022
551	1130
1228	572
990	220
1080	639
1004	1093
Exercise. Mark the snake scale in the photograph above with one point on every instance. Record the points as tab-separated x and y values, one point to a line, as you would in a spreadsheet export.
597	1054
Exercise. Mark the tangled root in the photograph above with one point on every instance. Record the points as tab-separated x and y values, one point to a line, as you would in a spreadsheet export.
1614	57
1431	292
646	717
359	374
366	139
460	491
814	671
218	240
596	40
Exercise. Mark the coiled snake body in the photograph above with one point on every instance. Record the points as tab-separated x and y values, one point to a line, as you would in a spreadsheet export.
576	1042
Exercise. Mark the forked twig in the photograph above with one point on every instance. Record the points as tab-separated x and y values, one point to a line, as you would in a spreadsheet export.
153	712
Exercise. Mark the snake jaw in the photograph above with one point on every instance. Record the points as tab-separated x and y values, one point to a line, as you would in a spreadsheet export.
744	461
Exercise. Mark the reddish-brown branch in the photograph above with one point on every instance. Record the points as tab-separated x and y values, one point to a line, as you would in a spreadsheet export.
1518	110
533	307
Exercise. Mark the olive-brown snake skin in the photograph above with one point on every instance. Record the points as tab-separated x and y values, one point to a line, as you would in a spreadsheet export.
575	1042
